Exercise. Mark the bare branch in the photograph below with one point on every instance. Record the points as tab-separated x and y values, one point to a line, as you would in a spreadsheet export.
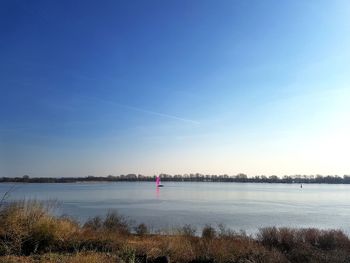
7	194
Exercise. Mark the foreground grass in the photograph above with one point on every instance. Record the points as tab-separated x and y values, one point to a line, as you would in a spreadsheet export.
86	257
29	233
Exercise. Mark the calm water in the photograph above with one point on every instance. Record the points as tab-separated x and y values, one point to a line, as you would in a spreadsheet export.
237	205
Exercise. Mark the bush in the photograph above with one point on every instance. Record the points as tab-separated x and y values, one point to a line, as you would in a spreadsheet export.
307	245
94	223
116	223
268	236
112	223
187	230
208	232
141	230
226	233
332	239
27	227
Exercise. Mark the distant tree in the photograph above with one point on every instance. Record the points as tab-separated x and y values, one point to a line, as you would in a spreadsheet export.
273	178
242	176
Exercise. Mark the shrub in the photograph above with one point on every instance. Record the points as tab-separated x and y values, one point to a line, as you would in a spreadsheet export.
332	239
94	223
27	227
187	230
307	245
116	223
224	232
268	236
208	232
112	223
141	230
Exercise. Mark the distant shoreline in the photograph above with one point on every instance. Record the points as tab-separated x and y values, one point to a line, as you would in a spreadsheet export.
240	178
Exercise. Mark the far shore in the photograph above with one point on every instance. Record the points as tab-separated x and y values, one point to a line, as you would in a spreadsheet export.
239	178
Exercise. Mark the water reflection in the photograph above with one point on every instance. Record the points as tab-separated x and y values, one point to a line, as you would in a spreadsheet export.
157	192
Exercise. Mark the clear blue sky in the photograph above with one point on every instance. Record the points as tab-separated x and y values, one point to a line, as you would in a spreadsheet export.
112	87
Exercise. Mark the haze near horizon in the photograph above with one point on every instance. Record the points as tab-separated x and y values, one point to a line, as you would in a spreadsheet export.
113	87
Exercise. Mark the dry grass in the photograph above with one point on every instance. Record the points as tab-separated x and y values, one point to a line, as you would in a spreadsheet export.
60	258
27	227
307	245
29	233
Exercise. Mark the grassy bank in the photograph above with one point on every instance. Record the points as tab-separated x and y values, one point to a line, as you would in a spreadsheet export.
29	233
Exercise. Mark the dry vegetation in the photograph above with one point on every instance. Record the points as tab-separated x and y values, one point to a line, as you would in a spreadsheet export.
29	233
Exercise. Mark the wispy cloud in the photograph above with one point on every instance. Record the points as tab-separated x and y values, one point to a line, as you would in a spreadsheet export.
149	111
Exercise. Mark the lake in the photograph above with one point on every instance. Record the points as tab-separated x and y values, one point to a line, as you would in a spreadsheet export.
240	206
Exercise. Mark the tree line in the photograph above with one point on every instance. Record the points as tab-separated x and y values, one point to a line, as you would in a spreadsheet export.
197	177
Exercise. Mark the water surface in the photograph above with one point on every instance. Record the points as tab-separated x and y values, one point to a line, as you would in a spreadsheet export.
240	206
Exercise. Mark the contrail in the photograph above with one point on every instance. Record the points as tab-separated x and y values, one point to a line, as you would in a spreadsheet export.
151	112
159	114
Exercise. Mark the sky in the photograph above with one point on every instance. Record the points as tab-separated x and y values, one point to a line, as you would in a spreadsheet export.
149	87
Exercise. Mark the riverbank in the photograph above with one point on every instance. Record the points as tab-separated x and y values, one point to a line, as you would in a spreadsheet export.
239	178
30	233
